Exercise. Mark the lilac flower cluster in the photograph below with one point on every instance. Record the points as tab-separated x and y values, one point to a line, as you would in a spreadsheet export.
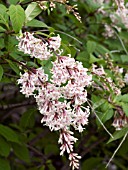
59	99
35	47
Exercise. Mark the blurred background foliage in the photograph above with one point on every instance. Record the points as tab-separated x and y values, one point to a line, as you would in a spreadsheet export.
24	143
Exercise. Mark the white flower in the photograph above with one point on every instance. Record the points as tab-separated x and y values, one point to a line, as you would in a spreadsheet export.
81	118
54	42
59	99
126	78
66	140
35	47
74	160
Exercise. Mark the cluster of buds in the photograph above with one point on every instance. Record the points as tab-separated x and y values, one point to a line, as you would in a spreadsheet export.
107	83
117	72
122	12
60	98
120	122
52	4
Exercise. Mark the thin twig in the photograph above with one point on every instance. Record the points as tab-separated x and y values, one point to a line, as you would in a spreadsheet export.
100	120
117	149
69	36
122	43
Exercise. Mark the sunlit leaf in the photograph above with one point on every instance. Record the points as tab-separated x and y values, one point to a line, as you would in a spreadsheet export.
32	11
17	16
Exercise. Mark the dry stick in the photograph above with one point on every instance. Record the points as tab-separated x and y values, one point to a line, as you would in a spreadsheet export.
117	149
100	121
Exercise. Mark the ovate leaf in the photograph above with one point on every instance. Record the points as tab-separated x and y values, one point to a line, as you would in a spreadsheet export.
27	119
36	23
4	164
98	104
122	98
14	67
32	11
91	46
13	1
91	163
125	108
107	115
51	148
118	134
22	152
4	147
8	134
2	29
124	58
2	8
1	72
17	16
93	59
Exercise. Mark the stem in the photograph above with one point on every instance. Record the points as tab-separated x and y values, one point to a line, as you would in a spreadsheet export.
122	43
117	149
100	120
69	36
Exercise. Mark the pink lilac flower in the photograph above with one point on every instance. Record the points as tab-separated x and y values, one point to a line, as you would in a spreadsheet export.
81	118
67	141
59	99
66	68
74	160
54	42
31	80
35	47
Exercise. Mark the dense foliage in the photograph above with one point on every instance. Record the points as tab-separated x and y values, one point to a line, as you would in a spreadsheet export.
63	82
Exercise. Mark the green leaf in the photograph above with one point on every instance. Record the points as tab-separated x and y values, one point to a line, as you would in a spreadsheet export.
118	134
107	115
101	49
51	148
2	8
10	43
28	118
36	23
50	166
122	98
1	72
32	11
84	58
22	152
98	104
13	1
8	134
2	29
93	59
4	147
17	16
91	163
2	45
124	58
14	67
4	19
91	46
4	164
125	108
22	0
